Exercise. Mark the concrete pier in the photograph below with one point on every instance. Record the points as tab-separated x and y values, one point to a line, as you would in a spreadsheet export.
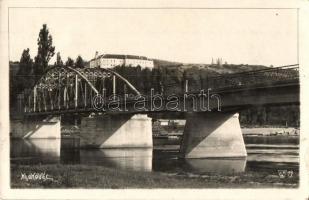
31	128
116	131
211	135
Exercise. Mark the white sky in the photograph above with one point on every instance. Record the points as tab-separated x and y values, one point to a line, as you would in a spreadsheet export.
266	37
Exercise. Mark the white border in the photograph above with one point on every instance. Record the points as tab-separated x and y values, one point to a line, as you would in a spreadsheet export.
301	193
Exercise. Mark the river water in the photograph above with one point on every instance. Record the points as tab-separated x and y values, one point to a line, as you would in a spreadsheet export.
261	157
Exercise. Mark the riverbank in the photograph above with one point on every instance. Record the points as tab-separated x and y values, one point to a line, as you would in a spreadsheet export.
270	131
83	176
249	139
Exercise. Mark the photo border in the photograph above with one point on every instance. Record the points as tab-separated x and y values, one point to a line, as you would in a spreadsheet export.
302	46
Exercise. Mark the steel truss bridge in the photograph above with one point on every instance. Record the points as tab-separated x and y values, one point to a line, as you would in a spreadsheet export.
66	89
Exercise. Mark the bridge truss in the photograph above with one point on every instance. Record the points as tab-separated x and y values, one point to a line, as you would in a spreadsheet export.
66	88
71	89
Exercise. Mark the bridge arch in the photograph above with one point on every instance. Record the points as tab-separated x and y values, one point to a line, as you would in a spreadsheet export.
67	86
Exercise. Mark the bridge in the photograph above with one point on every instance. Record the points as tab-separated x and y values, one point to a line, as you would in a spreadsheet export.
116	114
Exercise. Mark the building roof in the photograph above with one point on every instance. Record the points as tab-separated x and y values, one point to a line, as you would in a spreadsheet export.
121	56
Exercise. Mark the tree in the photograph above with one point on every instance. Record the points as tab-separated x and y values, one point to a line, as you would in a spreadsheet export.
59	62
46	50
79	63
24	78
25	63
25	72
146	77
69	62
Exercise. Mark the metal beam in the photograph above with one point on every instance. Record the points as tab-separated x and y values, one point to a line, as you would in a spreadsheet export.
114	85
34	98
76	91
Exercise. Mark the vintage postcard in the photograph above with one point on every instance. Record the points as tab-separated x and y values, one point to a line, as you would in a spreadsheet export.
154	100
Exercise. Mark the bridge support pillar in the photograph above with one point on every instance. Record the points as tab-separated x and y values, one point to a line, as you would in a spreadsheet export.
116	131
213	135
34	128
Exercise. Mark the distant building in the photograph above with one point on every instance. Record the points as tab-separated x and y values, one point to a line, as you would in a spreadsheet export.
112	60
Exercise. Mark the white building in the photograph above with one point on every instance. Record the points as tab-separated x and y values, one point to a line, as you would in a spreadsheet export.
112	60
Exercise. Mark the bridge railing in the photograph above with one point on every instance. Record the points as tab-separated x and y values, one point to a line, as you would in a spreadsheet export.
245	79
267	76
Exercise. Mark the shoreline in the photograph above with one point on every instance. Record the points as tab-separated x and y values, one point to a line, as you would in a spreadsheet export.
270	131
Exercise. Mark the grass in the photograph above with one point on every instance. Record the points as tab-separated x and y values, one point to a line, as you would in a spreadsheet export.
84	176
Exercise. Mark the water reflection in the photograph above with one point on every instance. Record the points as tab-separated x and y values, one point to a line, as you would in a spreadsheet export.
35	150
225	166
260	157
137	159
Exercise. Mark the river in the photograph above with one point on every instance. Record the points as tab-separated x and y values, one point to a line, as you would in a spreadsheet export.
262	156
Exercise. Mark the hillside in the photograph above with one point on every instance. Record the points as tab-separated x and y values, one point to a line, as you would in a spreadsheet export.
225	68
165	63
211	68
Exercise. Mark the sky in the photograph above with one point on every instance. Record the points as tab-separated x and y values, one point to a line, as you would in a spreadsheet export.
238	36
